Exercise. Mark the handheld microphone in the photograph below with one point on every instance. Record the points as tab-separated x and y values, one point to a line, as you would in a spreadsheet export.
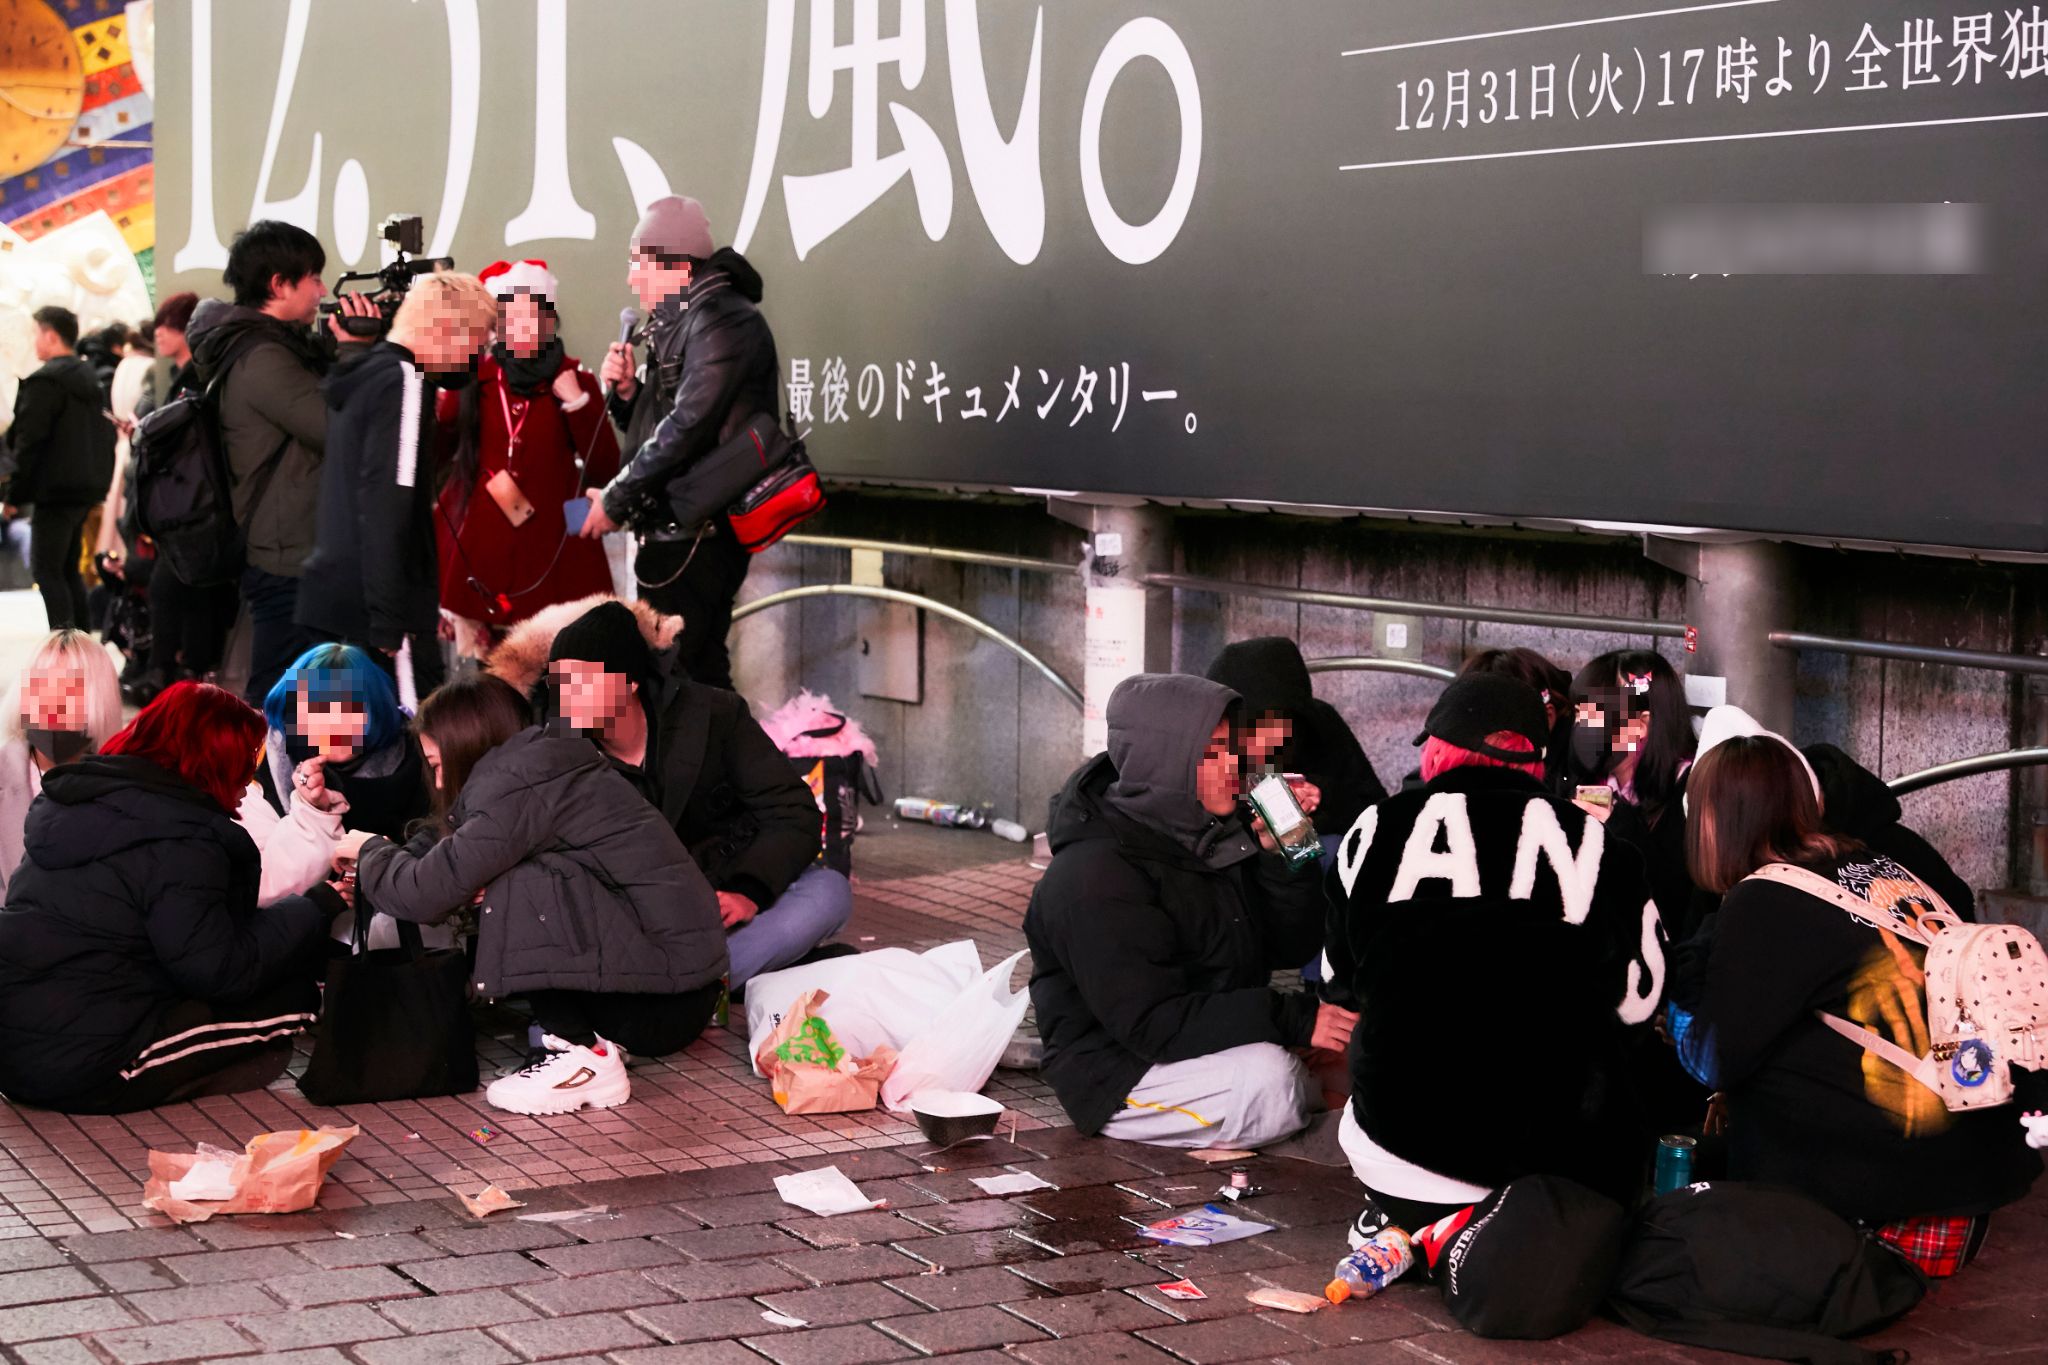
629	318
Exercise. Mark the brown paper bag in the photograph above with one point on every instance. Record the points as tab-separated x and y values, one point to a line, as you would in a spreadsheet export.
276	1173
810	1073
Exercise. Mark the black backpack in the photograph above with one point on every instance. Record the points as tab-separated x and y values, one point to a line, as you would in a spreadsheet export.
1763	1271
184	486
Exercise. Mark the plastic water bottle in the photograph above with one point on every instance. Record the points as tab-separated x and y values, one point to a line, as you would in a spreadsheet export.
927	811
1366	1271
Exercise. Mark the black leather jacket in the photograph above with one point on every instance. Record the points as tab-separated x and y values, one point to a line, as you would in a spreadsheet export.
710	366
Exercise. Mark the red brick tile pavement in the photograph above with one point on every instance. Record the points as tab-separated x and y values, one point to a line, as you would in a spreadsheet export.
694	1250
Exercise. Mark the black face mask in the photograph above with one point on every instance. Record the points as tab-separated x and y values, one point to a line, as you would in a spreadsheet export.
57	746
1593	755
452	383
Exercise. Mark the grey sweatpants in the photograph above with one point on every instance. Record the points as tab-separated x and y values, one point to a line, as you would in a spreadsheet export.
1240	1097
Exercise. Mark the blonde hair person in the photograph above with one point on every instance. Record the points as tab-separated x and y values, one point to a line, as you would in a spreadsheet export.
65	703
444	320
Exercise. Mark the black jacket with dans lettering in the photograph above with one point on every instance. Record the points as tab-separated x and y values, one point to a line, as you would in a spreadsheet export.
1155	933
374	577
1505	956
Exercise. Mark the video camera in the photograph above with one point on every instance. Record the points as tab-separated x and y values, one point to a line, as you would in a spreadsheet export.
407	235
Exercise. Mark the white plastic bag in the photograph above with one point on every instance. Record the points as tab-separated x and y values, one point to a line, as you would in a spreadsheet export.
878	999
959	1049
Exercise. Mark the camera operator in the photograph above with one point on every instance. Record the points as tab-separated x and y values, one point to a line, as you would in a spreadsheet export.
373	578
273	423
710	367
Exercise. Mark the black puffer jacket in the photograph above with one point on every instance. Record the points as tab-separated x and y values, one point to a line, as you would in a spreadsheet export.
710	367
1506	958
63	443
137	892
1157	928
585	885
1271	676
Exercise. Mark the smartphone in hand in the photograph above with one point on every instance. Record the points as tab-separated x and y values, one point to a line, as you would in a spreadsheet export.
575	512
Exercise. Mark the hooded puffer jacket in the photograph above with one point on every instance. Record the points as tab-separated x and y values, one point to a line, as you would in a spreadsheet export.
1272	677
1157	928
137	892
585	886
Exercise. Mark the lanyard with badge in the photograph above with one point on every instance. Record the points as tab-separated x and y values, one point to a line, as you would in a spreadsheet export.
502	486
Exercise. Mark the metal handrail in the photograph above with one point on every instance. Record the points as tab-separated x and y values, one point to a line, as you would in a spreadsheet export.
982	557
1967	767
1346	663
973	623
1919	654
1556	620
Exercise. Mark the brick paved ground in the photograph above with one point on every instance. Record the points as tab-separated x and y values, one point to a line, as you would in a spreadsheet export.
694	1251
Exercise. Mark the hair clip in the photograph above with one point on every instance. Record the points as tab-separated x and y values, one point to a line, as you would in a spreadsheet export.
1638	683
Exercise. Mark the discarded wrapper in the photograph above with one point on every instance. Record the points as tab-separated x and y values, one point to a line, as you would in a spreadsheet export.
275	1173
1288	1300
1213	1155
1205	1227
824	1192
1011	1184
782	1319
1180	1289
487	1201
809	1072
566	1215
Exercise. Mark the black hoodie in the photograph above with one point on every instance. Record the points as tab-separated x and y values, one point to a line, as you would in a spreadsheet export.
136	891
1157	928
1271	676
710	367
373	577
63	443
1855	801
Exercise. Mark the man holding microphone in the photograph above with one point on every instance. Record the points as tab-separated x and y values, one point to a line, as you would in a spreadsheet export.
710	367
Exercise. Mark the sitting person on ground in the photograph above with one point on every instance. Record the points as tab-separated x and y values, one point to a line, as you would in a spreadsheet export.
135	966
1289	730
1505	958
1804	1105
586	902
1631	744
1157	928
66	704
1551	683
699	757
340	748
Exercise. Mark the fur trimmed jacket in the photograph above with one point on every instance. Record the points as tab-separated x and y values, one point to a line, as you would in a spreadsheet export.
1506	958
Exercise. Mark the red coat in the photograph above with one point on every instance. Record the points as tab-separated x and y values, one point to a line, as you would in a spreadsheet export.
479	542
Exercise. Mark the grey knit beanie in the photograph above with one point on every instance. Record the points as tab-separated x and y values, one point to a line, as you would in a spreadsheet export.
675	226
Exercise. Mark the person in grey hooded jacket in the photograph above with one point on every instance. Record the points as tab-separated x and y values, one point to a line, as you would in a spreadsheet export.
587	903
1155	932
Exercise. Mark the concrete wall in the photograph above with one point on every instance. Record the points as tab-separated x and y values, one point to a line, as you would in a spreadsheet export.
990	729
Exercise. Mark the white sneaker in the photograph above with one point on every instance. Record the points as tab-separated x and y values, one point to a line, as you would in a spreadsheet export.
569	1078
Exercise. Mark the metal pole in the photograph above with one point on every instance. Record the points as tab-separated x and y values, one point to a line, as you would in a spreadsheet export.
1740	593
973	623
890	547
1362	663
1556	620
1919	654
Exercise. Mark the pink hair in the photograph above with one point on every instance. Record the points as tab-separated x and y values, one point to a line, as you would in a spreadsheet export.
1440	756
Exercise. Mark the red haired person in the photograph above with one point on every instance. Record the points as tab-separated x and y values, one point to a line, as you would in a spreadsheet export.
1505	959
135	967
521	436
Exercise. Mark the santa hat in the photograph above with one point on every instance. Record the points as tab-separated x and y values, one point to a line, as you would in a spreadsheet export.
1724	723
507	278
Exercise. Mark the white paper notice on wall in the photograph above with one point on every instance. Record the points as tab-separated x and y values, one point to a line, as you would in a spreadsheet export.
1705	691
1109	545
1113	649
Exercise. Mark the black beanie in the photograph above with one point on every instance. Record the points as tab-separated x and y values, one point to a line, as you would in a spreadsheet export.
607	634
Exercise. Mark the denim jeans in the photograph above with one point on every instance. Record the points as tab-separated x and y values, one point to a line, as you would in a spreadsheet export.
276	639
815	907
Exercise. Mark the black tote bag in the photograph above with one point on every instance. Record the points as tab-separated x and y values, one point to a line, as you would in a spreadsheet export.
394	1023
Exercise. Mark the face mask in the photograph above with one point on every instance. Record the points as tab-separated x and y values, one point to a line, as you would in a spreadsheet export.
57	746
1592	758
451	383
